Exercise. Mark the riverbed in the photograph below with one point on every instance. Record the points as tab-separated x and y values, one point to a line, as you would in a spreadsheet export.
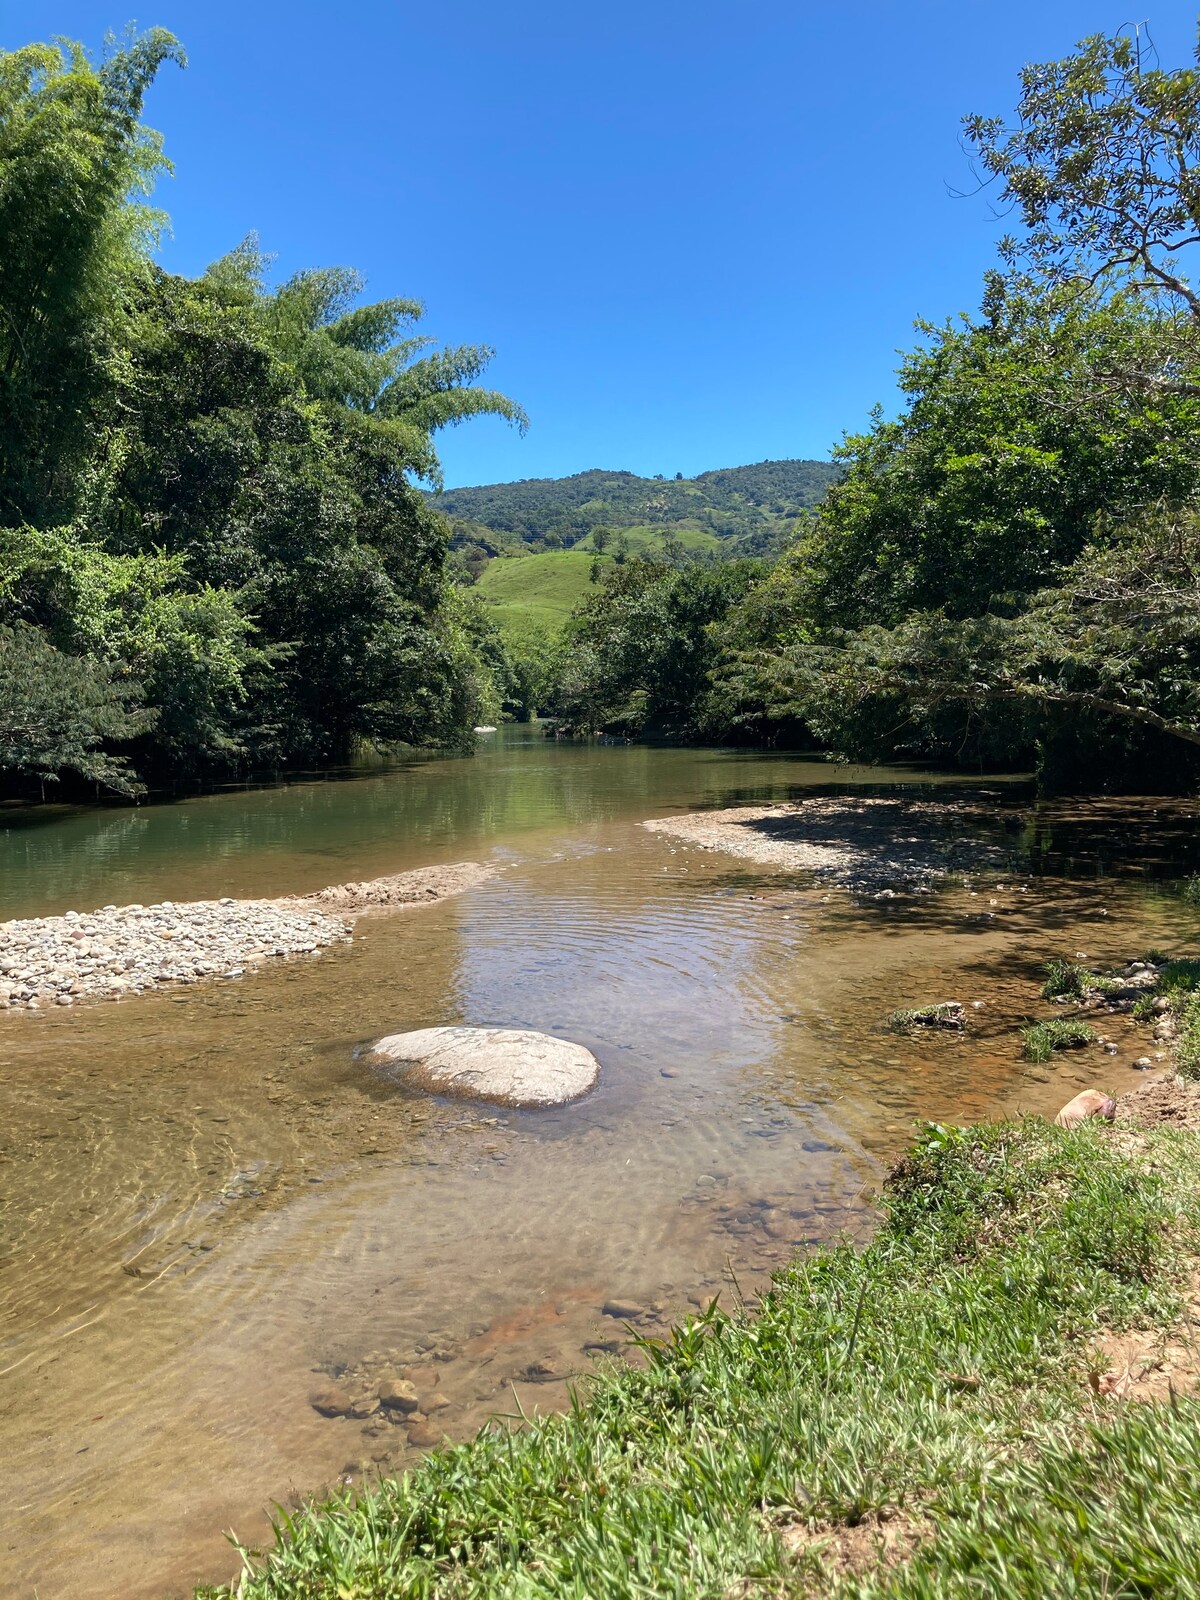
213	1209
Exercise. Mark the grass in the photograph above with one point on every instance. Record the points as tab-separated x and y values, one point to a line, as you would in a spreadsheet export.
1068	978
643	538
1187	1046
535	593
1178	978
938	1377
1179	984
1041	1039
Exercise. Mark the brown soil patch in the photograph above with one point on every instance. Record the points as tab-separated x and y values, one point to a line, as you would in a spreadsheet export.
862	843
882	1539
421	887
511	1327
1150	1364
1153	1363
1163	1099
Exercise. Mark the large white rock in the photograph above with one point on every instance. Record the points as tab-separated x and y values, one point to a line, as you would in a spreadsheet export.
512	1066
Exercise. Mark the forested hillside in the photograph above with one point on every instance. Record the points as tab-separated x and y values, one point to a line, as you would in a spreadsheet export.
757	506
212	557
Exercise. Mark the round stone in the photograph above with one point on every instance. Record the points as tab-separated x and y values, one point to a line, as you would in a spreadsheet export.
510	1066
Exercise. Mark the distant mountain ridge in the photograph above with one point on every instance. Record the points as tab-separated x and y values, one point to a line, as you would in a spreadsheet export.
754	506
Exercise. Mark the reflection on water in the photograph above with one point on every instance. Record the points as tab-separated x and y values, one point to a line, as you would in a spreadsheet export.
305	835
211	1207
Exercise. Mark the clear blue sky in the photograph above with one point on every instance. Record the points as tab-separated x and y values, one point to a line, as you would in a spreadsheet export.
696	231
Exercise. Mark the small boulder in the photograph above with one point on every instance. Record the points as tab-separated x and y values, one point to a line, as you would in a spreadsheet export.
331	1402
1088	1103
510	1066
623	1310
424	1434
396	1394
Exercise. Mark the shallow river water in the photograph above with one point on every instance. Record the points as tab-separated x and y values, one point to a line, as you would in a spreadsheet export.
210	1207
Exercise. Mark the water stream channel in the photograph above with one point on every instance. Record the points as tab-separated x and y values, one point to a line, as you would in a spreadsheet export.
209	1206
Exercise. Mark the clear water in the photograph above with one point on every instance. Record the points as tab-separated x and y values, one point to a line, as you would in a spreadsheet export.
211	1207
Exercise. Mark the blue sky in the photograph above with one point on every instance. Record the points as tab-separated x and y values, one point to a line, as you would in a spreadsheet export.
696	233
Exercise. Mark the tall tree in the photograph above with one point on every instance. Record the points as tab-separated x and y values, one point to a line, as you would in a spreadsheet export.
76	166
1101	165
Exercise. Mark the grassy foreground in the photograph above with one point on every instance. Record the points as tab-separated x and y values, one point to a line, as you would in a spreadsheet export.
914	1419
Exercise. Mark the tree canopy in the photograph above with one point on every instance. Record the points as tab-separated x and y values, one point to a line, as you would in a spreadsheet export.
1010	567
208	486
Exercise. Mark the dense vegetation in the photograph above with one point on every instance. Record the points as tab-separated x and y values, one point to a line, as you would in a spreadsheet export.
208	511
212	555
544	544
1008	570
756	506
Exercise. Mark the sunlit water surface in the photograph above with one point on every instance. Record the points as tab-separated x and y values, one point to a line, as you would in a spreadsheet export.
210	1206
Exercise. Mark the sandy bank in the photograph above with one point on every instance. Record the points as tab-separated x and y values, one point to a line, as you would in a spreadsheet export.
423	886
865	843
120	950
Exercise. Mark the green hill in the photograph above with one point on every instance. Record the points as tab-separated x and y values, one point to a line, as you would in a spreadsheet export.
754	506
529	547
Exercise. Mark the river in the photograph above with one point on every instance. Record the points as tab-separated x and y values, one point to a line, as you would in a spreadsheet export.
211	1207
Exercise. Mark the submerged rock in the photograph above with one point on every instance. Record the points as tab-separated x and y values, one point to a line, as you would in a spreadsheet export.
398	1395
331	1402
511	1066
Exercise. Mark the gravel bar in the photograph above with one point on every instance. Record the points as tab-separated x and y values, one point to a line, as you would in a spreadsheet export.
865	844
127	950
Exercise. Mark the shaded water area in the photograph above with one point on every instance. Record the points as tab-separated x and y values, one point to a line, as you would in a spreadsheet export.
211	1207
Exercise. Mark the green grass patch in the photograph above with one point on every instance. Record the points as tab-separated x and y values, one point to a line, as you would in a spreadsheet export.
940	1373
1179	978
1041	1039
647	538
535	594
1067	978
1187	1048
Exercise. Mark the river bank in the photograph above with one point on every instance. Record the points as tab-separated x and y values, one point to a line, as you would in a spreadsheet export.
863	843
214	1207
122	951
995	1395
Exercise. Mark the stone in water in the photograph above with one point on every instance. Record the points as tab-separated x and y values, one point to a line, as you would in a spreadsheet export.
512	1066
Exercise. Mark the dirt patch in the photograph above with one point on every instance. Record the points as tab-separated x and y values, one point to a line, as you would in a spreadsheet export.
1149	1364
421	887
883	1538
1161	1100
867	843
1153	1363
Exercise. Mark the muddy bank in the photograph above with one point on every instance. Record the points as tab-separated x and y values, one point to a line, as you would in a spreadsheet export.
861	844
123	950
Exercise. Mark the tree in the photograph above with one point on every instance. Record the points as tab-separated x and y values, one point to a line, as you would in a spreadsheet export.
1116	640
640	651
991	478
1102	166
76	166
207	485
57	712
365	357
